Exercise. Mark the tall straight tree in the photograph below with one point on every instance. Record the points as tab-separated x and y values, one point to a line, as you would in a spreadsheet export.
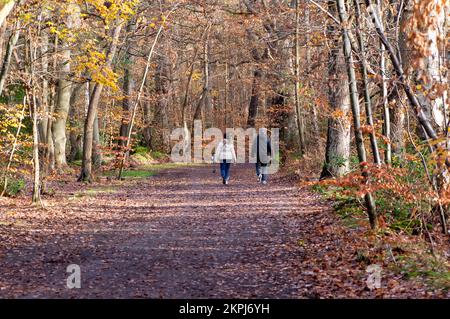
11	45
365	78
337	152
354	98
86	167
64	93
128	82
298	108
384	94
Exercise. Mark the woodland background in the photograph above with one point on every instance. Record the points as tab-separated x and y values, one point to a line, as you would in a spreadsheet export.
359	90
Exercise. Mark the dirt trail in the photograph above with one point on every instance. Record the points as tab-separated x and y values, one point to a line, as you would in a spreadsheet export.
181	234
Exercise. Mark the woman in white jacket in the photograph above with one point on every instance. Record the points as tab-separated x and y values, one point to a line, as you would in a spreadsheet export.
225	155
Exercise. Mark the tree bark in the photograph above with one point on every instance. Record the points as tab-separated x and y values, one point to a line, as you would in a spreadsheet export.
50	152
298	108
398	118
128	85
384	94
204	104
365	78
44	50
160	119
337	152
96	147
86	168
5	9
147	130
76	113
8	55
36	163
64	95
255	98
370	202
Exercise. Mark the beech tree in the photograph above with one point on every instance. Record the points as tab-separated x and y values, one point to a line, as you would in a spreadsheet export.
64	93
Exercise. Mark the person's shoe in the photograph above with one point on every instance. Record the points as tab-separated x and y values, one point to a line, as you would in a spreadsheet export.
264	182
259	178
224	181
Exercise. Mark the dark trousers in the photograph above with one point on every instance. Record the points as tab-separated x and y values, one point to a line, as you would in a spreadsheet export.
225	170
261	169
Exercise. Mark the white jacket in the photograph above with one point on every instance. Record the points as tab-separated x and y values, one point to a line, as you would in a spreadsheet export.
225	151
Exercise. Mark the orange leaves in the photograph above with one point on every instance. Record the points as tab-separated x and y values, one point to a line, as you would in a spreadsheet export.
384	178
340	115
367	129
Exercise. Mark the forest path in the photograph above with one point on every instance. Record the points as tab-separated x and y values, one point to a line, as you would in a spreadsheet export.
181	234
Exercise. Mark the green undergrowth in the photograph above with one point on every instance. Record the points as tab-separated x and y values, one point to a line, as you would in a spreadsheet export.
412	261
145	171
132	174
144	154
395	212
419	263
14	186
413	258
347	207
77	163
93	192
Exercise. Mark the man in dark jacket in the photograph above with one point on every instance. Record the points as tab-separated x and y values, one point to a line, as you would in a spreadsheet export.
262	150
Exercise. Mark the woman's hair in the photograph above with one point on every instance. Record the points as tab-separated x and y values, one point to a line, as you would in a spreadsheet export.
225	136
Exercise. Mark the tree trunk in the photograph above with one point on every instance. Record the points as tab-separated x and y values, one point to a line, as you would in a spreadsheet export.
204	103
96	147
298	108
8	55
370	202
338	137
365	78
128	86
160	120
147	131
44	47
76	113
74	137
384	95
36	163
398	118
255	98
5	9
64	95
315	120
207	104
50	153
86	168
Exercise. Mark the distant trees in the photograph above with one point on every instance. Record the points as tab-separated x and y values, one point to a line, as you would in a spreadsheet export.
358	86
